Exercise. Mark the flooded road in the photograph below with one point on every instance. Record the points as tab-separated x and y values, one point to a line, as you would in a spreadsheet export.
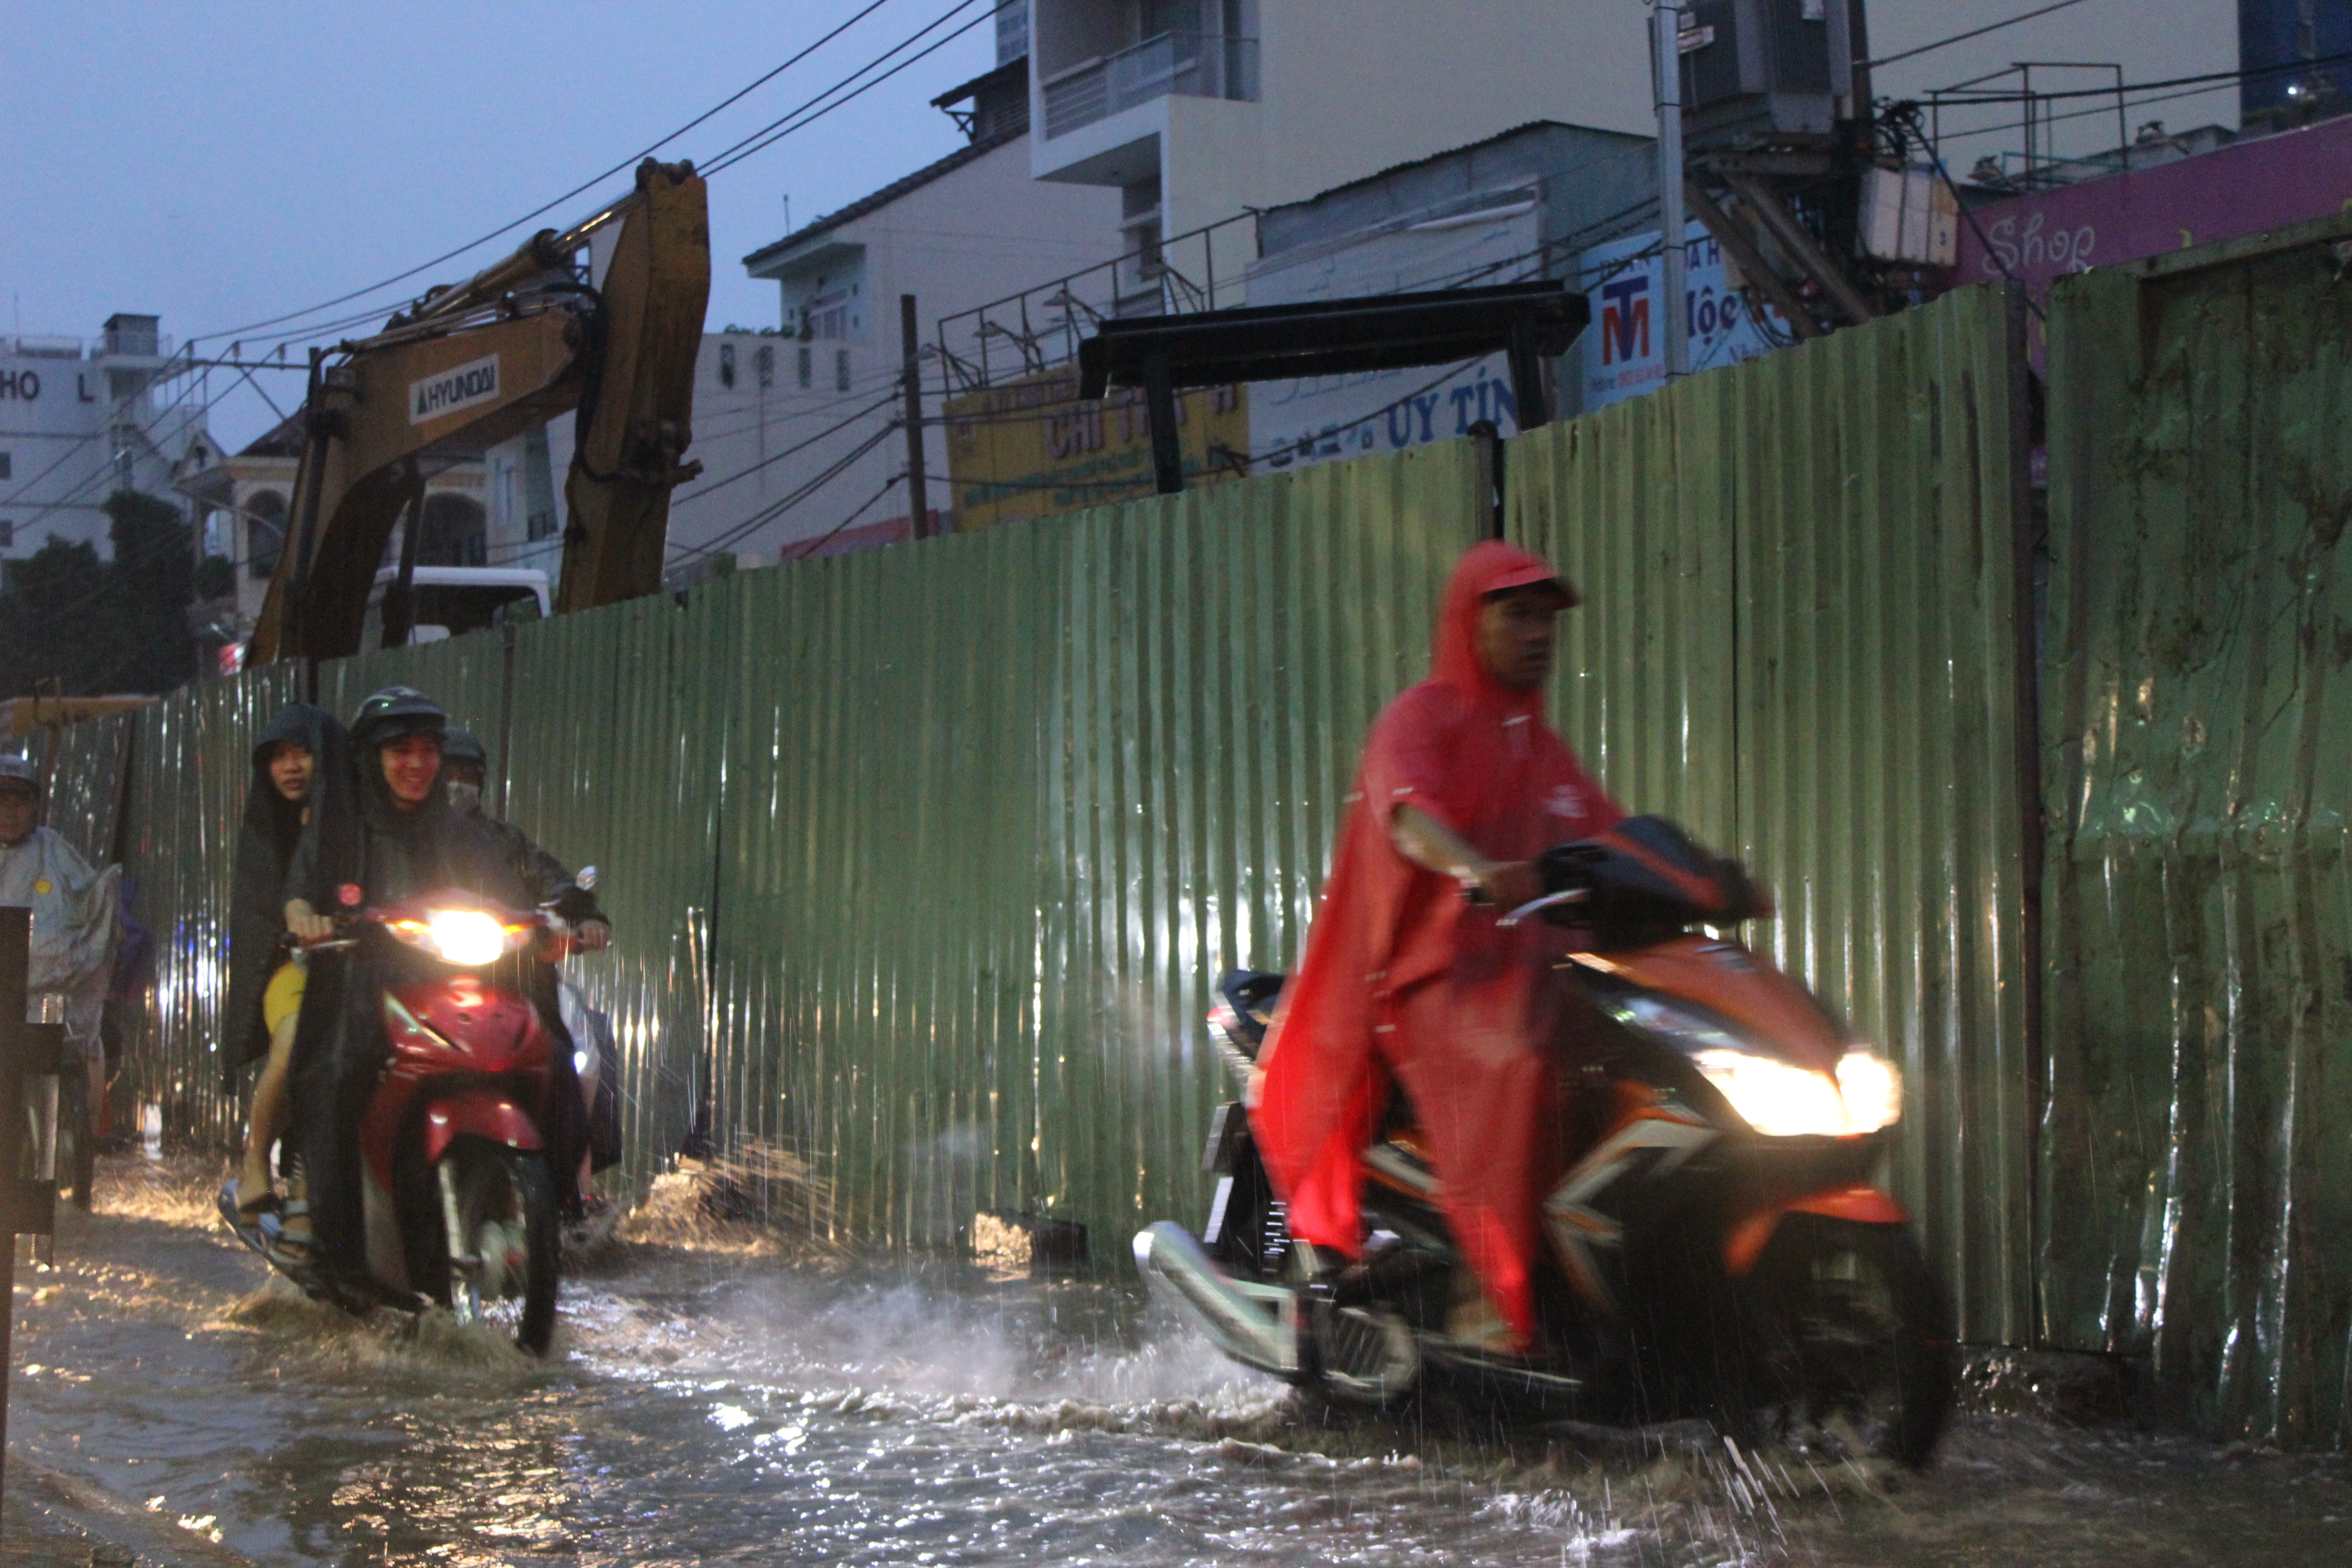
709	1404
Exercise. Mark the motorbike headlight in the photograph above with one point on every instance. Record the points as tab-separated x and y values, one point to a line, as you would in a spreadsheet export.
1872	1088
1780	1100
464	937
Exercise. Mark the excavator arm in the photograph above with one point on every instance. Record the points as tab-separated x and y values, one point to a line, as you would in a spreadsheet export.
522	342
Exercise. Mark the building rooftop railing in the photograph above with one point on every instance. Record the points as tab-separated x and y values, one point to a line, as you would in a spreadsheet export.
1182	64
1042	326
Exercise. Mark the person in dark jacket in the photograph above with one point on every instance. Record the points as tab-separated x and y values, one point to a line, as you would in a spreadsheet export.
264	985
465	768
380	833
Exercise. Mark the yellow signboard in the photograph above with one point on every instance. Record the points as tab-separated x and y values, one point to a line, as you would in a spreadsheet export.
1032	447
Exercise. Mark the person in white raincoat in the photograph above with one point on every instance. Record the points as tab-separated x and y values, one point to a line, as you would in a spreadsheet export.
73	912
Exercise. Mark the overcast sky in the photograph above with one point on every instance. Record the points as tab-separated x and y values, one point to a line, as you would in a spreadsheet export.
218	161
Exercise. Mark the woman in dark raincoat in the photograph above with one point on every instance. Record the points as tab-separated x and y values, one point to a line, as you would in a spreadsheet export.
300	745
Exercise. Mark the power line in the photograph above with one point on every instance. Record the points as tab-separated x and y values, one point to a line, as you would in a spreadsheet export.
547	206
768	514
1972	33
747	146
805	551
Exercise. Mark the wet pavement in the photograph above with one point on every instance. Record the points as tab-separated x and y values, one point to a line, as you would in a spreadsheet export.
711	1402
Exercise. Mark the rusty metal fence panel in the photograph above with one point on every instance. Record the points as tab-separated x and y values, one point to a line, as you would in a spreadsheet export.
2198	765
1801	639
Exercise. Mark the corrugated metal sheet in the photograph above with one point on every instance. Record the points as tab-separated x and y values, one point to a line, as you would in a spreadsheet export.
919	860
1801	641
86	782
995	809
192	757
2197	1164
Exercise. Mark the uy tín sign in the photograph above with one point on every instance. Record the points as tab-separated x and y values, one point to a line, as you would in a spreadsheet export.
1626	346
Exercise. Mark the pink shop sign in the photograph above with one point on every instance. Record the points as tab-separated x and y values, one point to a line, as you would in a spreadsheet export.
2263	183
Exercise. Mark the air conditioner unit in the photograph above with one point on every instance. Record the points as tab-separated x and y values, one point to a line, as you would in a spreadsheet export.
1909	214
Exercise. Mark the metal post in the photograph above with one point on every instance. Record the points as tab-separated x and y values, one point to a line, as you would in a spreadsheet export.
1160	403
1666	44
919	508
25	1205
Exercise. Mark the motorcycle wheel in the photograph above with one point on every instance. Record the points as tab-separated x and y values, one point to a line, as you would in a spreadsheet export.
1854	1346
511	1241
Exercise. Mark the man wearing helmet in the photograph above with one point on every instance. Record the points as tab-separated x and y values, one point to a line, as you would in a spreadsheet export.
381	833
73	911
465	766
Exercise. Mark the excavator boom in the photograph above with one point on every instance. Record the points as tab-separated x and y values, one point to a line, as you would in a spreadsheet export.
520	343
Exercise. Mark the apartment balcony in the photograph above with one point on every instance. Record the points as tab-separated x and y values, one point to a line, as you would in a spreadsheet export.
1187	64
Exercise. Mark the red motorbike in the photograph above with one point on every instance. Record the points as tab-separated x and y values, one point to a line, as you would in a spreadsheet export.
458	1203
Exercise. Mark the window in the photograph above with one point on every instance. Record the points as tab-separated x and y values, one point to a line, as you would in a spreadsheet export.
265	533
726	364
455	531
7	535
5	471
538	525
841	369
807	367
763	361
1012	33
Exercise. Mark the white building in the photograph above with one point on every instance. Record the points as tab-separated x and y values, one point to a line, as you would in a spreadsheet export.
79	421
793	424
1198	109
237	504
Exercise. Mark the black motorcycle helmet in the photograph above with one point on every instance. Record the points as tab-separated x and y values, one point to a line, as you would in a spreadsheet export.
393	713
464	749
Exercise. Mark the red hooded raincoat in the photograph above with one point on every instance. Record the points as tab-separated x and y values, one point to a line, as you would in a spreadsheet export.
1404	981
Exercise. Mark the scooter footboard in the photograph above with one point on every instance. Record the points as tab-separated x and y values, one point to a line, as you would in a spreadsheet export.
1255	1324
493	1117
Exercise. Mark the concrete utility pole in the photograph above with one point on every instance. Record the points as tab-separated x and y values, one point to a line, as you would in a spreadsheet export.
918	501
1665	46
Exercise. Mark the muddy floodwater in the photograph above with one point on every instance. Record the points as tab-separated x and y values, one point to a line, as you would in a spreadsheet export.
708	1403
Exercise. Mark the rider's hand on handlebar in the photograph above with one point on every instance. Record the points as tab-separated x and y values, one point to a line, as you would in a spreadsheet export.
593	935
305	924
1507	884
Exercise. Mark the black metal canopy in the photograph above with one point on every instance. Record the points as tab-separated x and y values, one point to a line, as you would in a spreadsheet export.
1334	337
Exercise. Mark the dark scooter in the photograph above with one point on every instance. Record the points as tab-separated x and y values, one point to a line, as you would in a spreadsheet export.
1718	1248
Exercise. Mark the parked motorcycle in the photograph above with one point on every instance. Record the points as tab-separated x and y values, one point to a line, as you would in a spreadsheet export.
1717	1248
459	1205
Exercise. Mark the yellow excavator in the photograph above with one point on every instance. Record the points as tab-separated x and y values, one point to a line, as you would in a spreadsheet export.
521	343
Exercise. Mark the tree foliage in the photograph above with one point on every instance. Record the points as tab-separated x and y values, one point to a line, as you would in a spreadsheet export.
91	627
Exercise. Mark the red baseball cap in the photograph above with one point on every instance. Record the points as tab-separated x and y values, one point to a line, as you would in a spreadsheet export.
1535	574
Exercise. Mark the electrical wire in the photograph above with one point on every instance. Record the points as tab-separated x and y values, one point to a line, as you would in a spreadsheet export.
1971	33
811	548
768	514
762	138
545	207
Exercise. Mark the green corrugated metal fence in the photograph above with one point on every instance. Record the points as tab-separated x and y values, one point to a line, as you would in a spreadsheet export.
920	861
2199	1140
1801	641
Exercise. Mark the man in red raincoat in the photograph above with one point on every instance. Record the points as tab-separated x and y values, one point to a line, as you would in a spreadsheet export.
1405	982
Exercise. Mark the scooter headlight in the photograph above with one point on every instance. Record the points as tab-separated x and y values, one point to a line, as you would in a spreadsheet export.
1783	1100
464	937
